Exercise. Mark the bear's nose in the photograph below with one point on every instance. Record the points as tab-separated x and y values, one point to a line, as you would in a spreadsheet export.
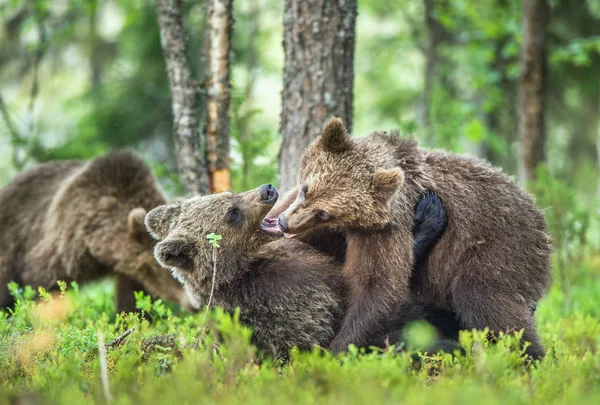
268	193
283	225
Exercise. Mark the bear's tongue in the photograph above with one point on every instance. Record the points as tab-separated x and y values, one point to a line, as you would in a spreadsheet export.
290	235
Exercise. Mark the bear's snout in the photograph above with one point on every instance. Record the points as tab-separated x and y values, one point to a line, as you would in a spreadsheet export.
268	193
283	225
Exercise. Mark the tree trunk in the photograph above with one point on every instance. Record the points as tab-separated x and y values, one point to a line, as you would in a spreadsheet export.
318	42
184	92
220	21
95	57
532	87
436	36
598	158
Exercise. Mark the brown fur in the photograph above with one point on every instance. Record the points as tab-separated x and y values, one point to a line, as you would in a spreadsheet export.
491	265
289	293
80	221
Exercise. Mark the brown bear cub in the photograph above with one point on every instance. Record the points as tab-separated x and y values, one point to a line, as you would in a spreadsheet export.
289	293
79	221
490	266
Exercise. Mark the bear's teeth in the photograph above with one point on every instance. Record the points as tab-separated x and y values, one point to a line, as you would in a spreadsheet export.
290	235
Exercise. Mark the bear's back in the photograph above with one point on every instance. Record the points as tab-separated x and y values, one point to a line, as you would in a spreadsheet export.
24	202
490	219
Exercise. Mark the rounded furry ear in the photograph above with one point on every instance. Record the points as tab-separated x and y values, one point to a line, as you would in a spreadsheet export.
386	182
175	253
135	223
334	137
158	221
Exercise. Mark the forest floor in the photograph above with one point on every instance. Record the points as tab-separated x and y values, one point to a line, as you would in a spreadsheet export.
49	353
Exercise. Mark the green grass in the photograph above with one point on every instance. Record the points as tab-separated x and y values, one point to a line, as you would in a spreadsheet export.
49	354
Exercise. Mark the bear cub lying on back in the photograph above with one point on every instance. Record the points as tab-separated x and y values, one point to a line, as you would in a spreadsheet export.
289	293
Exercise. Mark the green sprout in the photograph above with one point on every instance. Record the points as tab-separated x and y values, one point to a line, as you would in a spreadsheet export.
214	239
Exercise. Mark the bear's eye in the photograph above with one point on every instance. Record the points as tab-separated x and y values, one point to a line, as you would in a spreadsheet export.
304	188
234	216
323	215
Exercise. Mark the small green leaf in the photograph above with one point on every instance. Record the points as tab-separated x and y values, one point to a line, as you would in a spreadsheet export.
214	239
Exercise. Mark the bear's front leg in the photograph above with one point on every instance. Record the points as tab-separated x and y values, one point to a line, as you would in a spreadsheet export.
126	287
378	268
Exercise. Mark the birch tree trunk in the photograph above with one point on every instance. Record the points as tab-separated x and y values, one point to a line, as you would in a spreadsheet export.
184	98
218	85
318	77
532	87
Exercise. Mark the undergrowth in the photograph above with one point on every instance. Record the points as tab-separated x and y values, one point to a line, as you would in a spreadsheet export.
50	355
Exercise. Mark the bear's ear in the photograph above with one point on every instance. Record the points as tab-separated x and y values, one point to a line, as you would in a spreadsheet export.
334	137
175	253
386	182
135	224
159	220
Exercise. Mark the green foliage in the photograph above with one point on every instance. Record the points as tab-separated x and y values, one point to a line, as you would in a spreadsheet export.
50	355
252	162
214	239
574	227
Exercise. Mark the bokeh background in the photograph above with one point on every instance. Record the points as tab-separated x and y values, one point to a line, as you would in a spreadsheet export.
79	77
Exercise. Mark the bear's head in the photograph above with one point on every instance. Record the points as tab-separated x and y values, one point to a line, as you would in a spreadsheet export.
134	258
184	248
342	185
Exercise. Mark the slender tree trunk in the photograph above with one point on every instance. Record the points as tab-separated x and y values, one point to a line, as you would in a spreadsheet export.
596	131
532	87
436	36
496	119
318	41
95	58
184	92
598	157
220	22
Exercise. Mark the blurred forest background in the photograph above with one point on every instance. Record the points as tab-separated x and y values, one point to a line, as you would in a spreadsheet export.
79	77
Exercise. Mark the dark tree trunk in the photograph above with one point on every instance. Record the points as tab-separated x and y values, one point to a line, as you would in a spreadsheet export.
436	36
501	120
318	77
184	92
598	159
532	86
218	86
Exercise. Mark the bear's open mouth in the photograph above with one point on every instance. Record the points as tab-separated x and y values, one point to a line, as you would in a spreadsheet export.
270	225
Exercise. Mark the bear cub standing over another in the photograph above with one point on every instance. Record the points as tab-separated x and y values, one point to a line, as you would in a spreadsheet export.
78	221
289	293
491	266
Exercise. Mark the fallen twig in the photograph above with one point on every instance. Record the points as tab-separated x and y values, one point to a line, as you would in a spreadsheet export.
103	367
120	339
